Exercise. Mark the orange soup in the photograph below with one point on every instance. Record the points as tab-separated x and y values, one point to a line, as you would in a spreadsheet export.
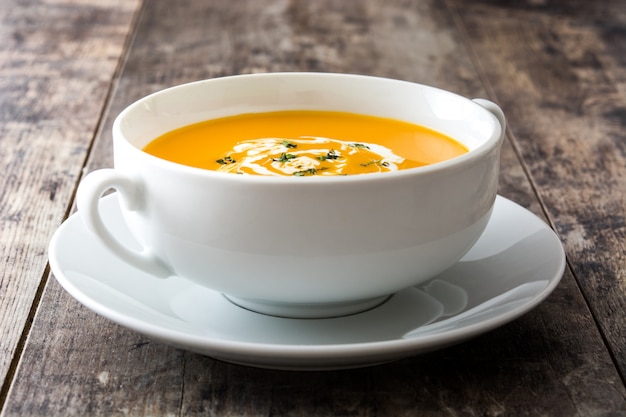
304	143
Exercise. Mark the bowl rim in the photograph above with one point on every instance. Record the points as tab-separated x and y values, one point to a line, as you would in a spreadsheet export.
460	161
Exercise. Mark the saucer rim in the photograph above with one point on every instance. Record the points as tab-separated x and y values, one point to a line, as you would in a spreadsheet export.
269	355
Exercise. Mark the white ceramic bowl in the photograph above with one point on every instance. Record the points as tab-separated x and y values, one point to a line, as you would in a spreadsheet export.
300	246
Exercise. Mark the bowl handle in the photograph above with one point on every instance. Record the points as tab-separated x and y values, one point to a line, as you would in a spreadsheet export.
89	192
495	110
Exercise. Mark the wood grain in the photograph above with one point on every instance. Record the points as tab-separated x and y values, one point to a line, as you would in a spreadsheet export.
57	60
551	362
560	72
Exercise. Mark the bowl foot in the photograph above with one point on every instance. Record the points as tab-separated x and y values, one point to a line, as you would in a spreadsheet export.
307	310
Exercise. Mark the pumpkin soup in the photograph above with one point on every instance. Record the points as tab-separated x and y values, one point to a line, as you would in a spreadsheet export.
304	143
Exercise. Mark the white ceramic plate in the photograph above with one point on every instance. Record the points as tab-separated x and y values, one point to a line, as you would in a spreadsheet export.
514	266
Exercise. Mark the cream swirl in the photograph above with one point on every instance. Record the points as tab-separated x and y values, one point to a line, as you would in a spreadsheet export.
306	156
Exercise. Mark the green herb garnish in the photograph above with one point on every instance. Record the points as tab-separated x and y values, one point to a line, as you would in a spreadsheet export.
307	172
332	154
284	157
359	146
226	160
377	162
288	144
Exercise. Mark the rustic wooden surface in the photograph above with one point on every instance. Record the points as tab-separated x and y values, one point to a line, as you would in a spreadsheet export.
557	68
57	63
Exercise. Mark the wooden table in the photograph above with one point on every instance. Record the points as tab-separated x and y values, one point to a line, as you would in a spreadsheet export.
557	68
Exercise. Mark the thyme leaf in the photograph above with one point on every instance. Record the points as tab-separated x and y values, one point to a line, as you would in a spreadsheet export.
358	146
306	172
289	144
284	157
332	155
378	162
226	160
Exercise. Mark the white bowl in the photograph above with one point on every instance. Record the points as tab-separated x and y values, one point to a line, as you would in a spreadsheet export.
300	246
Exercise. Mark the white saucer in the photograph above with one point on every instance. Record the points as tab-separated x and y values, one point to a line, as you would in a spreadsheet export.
514	266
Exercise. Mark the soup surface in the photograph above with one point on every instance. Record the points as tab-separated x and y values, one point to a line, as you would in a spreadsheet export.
304	143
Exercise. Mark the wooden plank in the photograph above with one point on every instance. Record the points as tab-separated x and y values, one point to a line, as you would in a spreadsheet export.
560	73
550	362
88	366
57	59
